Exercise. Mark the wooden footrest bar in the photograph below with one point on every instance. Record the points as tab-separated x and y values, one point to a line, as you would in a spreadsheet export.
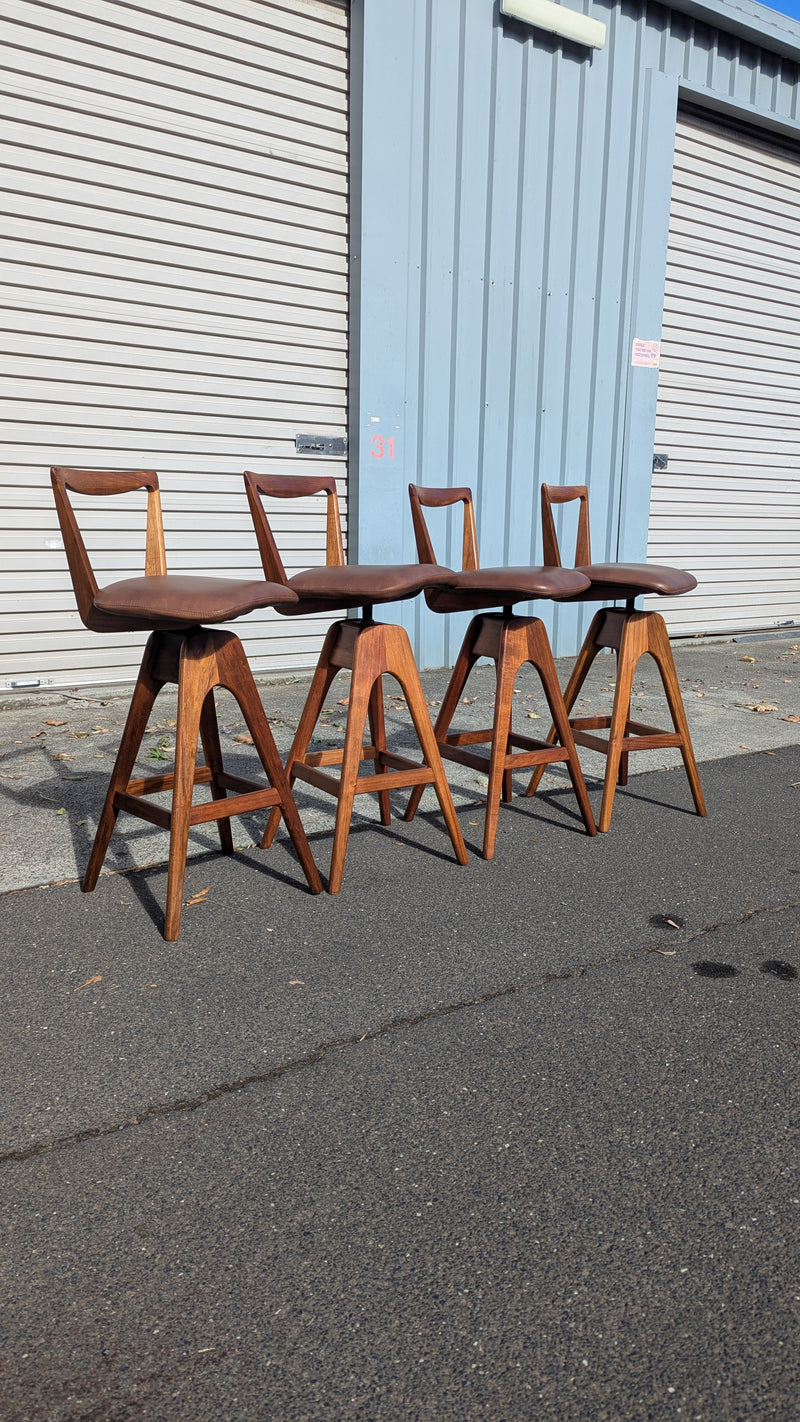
238	784
515	760
154	784
242	803
643	739
366	784
531	743
238	805
143	809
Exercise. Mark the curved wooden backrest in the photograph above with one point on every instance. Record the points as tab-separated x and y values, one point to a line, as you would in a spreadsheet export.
564	494
98	483
422	497
293	486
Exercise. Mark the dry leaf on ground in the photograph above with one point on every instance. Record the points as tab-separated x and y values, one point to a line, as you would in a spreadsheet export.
55	723
98	978
764	706
244	739
790	718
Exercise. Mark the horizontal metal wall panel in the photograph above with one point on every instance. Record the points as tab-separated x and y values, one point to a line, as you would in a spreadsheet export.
728	505
174	289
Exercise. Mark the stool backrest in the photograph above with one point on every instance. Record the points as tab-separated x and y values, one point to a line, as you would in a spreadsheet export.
96	483
564	494
436	499
293	486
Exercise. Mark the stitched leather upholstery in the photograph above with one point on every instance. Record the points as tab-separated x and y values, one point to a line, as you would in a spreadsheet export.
325	589
629	580
179	600
477	589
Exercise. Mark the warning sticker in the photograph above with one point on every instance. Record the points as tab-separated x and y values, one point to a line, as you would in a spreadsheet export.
646	353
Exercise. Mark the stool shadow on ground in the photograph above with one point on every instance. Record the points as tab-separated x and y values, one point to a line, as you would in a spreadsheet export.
627	792
78	799
138	879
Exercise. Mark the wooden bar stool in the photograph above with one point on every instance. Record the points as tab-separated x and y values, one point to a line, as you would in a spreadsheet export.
369	650
630	634
509	642
173	608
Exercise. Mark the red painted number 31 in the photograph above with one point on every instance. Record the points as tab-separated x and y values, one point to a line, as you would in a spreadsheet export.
382	448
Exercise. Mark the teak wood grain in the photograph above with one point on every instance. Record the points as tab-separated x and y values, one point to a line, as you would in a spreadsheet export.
369	650
509	642
198	659
630	634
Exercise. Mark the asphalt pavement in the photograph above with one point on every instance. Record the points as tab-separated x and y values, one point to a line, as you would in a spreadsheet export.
515	1140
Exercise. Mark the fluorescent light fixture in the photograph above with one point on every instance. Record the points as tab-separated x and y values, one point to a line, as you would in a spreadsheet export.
558	19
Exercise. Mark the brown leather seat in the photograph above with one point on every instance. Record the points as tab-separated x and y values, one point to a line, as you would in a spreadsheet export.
630	580
173	608
630	634
482	588
510	642
172	601
369	650
337	588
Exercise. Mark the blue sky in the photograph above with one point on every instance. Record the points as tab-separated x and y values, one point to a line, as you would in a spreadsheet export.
786	7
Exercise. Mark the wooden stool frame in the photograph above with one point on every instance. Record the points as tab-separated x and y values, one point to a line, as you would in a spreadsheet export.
509	642
197	659
369	650
630	634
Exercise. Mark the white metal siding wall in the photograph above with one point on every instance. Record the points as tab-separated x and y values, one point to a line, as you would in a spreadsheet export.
173	288
728	505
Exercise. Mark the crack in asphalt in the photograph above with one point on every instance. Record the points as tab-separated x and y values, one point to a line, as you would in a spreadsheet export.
395	1024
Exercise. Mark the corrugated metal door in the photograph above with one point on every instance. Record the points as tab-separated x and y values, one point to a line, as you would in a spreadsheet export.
728	504
173	285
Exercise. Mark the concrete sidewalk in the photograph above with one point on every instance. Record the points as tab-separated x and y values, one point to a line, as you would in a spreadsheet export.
56	751
511	1141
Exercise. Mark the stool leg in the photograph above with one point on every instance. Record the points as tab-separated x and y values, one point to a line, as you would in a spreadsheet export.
633	643
233	671
144	695
209	736
508	664
400	662
193	687
318	690
508	787
586	656
541	656
377	731
368	663
661	652
458	677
